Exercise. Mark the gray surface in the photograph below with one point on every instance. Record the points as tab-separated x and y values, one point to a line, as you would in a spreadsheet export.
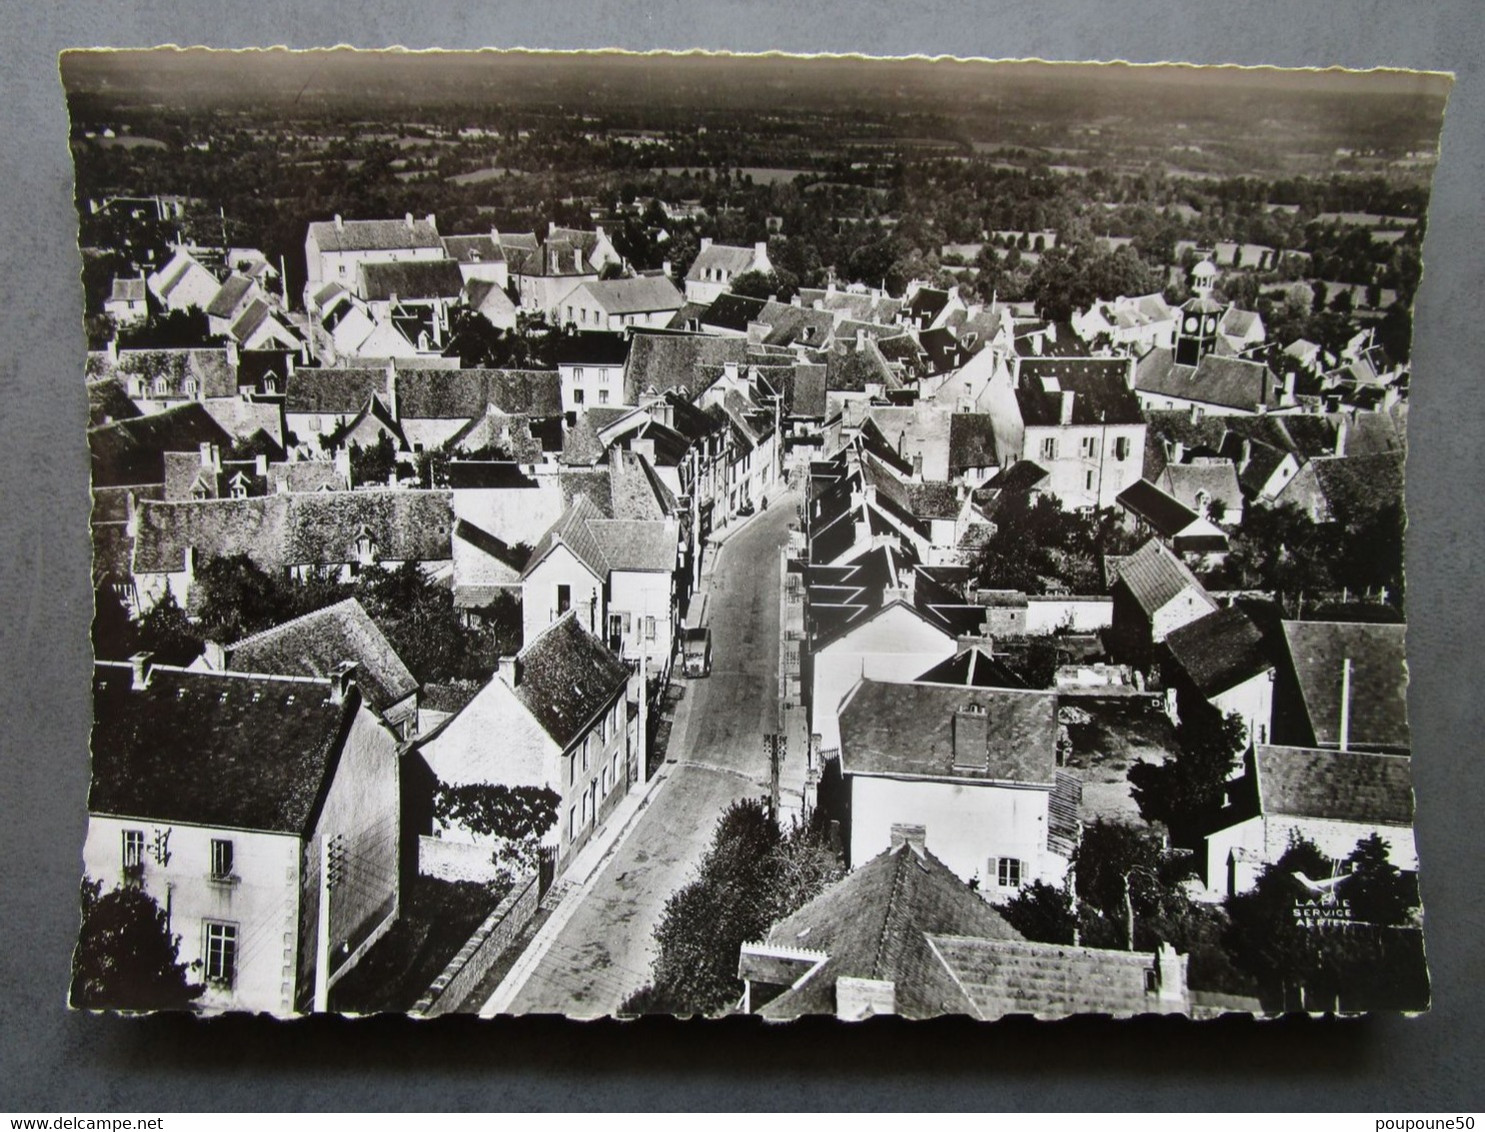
56	1062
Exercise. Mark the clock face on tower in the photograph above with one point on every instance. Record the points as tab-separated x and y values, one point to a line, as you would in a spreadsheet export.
1191	324
1211	324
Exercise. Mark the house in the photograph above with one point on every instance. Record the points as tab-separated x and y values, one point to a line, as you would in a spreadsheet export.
1136	323
613	304
434	405
1241	330
617	575
1188	532
157	379
1206	485
553	717
325	533
542	275
658	363
319	401
183	283
425	290
1333	798
317	645
1154	594
733	316
594	247
975	767
233	297
261	326
261	812
903	935
132	451
717	265
1343	685
1077	418
1211	383
591	367
489	300
480	257
126	303
335	249
1221	660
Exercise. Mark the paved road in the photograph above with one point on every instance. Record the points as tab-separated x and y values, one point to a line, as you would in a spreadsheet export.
603	953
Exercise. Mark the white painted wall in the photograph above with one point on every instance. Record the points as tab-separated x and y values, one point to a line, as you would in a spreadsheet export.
539	594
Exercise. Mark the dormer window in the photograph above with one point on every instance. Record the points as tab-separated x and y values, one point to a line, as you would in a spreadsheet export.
162	387
365	548
270	384
190	387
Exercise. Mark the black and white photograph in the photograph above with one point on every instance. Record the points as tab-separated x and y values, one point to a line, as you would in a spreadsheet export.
608	534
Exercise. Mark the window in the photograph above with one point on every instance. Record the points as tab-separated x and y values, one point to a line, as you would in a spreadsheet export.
564	599
133	848
569	314
1121	447
577	396
161	386
221	859
190	387
577	372
221	951
1088	481
572	769
1008	872
571	823
1049	448
1088	447
603	396
649	628
587	750
613	769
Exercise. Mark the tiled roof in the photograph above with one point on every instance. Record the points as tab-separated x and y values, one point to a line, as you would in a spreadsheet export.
257	313
207	366
243	752
666	361
927	302
642	294
486	474
127	291
1379	680
1225	382
874	924
490	546
637	544
1335	785
1219	651
567	677
942	349
133	451
229	295
411	279
858	306
337	391
1153	575
1098	385
1051	980
733	312
453	394
849	369
510	432
305	475
788	324
1216	479
314	644
581	446
109	401
473	249
1357	487
374	235
972	668
721	257
909	730
279	531
591	347
1237	322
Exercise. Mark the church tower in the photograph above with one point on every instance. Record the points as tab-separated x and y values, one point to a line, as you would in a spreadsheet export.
1196	330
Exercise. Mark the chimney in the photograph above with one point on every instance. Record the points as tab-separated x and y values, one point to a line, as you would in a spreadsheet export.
577	259
760	250
1067	406
143	663
1177	451
971	737
234	359
289	361
729	371
189	554
432	223
860	339
409	219
551	228
706	242
1341	429
598	231
918	466
339	223
214	655
1288	397
1171	973
260	465
1345	735
508	668
342	680
665	268
112	349
211	457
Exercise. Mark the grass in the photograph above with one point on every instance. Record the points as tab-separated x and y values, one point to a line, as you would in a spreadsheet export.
437	917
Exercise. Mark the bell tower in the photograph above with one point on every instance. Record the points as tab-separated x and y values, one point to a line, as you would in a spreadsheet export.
1196	330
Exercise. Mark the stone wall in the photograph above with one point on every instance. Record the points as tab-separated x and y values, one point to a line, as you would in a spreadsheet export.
479	953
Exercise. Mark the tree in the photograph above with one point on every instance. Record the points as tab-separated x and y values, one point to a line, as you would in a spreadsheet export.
126	957
1186	791
1128	886
1378	891
752	876
778	284
168	633
373	463
238	598
1041	913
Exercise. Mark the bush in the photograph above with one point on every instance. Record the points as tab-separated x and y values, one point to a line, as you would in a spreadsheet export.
126	958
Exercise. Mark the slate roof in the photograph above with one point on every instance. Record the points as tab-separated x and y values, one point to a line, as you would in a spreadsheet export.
1349	786
1226	382
1100	394
1357	487
483	474
641	294
1219	651
313	645
1051	980
942	350
279	531
455	394
257	313
1153	575
849	369
207	366
1165	514
907	730
127	291
374	235
567	676
972	668
636	544
244	752
473	249
788	324
1379	680
874	924
733	312
592	347
971	442
334	391
411	280
133	451
926	303
1216	478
